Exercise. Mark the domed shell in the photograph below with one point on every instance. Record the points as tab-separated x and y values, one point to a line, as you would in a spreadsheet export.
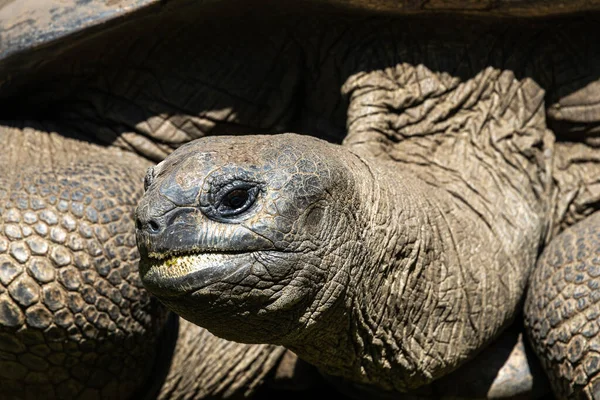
30	24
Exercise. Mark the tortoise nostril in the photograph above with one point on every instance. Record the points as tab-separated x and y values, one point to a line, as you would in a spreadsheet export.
150	226
153	226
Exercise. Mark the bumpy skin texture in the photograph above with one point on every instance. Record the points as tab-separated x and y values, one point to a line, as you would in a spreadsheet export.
75	320
268	70
414	222
336	257
506	369
563	310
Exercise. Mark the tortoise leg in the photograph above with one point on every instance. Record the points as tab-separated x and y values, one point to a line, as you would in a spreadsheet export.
562	310
207	367
75	321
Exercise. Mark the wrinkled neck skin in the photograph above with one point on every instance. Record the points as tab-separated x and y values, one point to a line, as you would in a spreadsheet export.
431	280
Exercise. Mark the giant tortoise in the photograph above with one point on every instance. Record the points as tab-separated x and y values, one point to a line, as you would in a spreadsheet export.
392	263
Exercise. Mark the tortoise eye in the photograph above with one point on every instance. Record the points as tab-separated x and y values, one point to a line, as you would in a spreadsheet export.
235	199
230	200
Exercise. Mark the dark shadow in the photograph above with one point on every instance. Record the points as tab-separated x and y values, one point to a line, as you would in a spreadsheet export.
476	377
274	67
167	340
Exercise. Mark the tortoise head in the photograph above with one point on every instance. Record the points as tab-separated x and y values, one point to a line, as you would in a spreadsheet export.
243	235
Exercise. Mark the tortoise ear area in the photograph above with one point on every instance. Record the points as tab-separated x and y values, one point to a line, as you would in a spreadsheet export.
149	178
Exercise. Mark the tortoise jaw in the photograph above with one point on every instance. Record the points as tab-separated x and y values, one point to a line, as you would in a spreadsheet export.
174	275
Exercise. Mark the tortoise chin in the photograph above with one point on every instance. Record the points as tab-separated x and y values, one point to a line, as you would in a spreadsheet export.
181	274
242	297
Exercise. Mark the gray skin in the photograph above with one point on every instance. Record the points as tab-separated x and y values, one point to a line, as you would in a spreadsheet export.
293	241
389	261
76	321
90	112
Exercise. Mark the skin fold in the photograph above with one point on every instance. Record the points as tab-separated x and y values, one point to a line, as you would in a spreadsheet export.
411	227
350	251
482	132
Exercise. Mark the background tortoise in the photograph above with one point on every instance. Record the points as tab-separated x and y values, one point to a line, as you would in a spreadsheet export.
88	104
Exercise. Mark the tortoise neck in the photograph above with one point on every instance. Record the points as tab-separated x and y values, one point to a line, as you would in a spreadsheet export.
421	247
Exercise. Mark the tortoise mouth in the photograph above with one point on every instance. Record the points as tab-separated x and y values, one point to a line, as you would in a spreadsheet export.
179	273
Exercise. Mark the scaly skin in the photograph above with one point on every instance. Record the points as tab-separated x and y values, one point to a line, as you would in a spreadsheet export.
336	258
335	252
563	310
75	321
266	70
71	300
